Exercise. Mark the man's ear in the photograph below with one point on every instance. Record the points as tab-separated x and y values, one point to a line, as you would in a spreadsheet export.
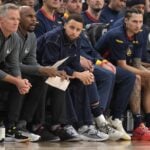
87	1
0	19
125	20
65	26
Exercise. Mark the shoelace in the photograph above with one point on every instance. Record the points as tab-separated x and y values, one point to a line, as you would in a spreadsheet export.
92	130
71	131
16	131
108	128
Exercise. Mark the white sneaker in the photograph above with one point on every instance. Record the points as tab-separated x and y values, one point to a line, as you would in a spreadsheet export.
32	137
70	134
90	133
117	124
2	134
113	133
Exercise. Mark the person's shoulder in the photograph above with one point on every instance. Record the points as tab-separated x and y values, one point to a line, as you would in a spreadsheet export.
117	31
142	36
52	35
118	22
83	13
39	15
116	34
15	37
56	31
38	12
31	35
105	8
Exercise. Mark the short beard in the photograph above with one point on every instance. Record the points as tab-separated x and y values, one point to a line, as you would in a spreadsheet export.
97	10
31	30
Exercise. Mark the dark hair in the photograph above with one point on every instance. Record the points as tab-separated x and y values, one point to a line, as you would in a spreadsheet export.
131	11
75	17
10	1
131	3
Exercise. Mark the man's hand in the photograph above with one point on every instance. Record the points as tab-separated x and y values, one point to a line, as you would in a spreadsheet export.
106	65
86	77
63	75
23	85
49	71
145	74
109	66
86	64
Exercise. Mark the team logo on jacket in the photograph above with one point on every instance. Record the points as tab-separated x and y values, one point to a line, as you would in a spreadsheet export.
8	51
135	42
129	52
119	41
26	51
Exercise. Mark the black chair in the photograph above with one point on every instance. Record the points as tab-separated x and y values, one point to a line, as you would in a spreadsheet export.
95	31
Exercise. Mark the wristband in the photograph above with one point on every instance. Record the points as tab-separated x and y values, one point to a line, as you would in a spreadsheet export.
104	61
98	62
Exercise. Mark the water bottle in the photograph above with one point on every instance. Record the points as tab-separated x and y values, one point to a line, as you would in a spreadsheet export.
130	121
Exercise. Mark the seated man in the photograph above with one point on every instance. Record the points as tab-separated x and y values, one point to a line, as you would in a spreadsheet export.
37	75
123	47
64	42
135	102
111	12
47	18
104	80
107	78
30	3
60	50
92	14
10	74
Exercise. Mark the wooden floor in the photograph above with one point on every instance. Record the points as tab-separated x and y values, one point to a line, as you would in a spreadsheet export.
121	145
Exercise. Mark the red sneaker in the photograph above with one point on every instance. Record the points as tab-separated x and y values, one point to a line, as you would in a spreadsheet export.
141	133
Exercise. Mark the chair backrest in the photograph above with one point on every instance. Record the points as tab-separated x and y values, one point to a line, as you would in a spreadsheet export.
95	31
148	41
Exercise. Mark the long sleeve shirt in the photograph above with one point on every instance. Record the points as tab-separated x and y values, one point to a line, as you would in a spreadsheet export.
27	54
9	55
57	46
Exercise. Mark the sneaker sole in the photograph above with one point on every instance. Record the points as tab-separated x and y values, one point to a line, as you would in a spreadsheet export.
2	140
49	140
126	138
85	138
115	138
73	140
32	137
22	141
10	139
34	140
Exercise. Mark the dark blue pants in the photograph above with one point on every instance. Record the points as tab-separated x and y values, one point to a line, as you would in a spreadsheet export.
105	83
78	105
123	87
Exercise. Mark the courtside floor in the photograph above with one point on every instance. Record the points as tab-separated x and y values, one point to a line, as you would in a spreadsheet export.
109	145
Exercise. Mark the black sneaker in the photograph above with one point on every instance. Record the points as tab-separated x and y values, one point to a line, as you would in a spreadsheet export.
67	133
46	135
14	135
